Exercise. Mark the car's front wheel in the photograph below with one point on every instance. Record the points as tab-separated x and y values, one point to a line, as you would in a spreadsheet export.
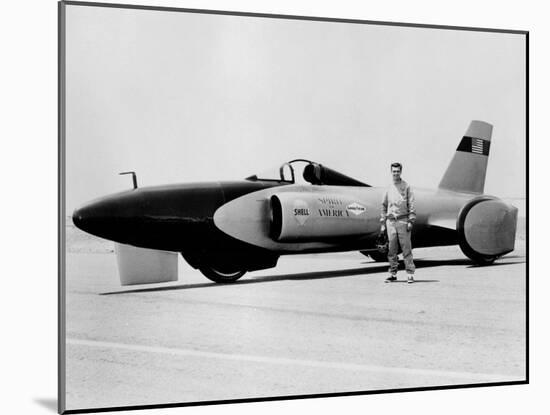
221	273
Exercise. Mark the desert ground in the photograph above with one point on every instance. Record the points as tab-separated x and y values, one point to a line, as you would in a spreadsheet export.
315	324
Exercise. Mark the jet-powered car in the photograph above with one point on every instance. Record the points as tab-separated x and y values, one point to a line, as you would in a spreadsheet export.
228	228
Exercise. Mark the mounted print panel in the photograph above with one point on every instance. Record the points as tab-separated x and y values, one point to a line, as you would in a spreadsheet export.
307	207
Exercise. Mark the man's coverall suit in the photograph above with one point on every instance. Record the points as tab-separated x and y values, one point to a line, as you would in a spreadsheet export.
398	210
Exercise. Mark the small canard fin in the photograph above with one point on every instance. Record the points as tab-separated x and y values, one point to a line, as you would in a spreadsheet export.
145	266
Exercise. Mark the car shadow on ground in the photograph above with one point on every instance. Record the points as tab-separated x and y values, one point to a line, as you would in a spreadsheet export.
268	278
465	262
372	269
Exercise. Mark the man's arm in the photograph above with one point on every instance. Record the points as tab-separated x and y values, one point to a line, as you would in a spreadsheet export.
412	208
384	211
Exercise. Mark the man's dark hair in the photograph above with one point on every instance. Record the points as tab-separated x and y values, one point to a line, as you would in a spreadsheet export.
397	165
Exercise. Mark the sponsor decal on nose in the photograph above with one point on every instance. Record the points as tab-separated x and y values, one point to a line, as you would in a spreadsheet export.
300	211
356	208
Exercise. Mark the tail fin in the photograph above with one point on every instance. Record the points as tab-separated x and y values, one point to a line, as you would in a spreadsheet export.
466	173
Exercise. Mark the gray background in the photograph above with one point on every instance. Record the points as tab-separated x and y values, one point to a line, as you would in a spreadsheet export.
186	97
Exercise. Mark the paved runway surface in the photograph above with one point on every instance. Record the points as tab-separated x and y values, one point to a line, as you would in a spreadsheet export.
315	324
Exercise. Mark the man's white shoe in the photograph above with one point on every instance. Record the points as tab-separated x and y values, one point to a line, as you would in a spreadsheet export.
410	280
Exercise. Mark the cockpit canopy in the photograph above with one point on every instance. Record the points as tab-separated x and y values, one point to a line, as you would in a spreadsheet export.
313	173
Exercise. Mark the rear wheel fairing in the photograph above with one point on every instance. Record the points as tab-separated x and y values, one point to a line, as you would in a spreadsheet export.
487	228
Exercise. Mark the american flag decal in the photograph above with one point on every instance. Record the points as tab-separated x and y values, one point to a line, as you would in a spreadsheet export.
477	145
474	145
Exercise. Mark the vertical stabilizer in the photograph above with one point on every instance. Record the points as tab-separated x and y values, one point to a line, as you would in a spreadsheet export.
467	170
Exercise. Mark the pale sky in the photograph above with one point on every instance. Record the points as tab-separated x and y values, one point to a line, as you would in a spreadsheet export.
181	97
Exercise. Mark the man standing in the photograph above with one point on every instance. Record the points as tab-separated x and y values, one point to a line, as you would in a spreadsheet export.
398	216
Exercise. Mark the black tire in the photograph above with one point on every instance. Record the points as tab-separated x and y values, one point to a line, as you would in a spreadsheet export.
486	260
481	259
221	274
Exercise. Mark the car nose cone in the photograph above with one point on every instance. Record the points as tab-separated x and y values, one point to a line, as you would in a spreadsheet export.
171	217
80	217
100	217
